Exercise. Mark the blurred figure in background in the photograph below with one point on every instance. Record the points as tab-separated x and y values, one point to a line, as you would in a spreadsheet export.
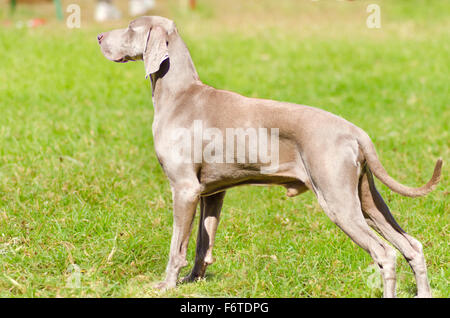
106	10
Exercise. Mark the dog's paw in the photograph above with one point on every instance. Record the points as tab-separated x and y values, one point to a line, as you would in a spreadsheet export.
426	295
164	286
191	278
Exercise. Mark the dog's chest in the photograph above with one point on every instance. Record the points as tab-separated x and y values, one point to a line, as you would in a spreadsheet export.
158	140
167	145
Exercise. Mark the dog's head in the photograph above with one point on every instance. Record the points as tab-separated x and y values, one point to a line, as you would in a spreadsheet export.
145	38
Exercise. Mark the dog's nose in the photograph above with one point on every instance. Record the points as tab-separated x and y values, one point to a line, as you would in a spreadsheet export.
100	38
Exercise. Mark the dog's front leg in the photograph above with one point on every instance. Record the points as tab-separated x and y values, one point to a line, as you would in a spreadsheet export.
209	220
185	199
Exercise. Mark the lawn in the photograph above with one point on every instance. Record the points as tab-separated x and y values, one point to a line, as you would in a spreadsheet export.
83	198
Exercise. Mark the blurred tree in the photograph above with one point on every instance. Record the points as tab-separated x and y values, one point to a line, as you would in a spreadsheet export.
58	6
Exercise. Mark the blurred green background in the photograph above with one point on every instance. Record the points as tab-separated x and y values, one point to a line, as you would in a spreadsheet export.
80	183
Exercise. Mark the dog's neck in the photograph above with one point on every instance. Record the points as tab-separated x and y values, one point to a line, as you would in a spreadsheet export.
176	74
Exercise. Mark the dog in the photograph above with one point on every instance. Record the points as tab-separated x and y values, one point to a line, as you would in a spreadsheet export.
315	149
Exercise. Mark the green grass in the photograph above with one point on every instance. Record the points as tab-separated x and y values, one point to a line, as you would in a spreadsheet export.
80	182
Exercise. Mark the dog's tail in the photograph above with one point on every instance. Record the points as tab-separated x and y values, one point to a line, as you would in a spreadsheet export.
378	170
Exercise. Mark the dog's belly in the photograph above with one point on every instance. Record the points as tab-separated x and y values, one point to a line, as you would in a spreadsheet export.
293	187
218	177
288	171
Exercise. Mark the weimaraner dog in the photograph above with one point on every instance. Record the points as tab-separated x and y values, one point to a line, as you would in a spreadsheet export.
316	151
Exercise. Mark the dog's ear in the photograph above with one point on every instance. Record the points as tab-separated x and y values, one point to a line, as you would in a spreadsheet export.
156	50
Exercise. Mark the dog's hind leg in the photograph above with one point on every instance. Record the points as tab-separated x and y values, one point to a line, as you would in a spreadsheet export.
380	218
336	187
349	218
210	207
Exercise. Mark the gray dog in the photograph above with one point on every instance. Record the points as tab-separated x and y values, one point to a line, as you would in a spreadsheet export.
316	151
